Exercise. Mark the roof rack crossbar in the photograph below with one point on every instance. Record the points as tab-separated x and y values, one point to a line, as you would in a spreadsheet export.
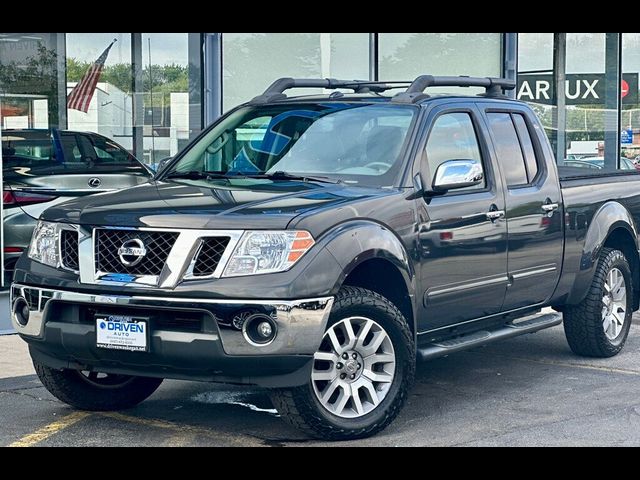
494	86
276	90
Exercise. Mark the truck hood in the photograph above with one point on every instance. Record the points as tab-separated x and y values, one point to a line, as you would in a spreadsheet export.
197	204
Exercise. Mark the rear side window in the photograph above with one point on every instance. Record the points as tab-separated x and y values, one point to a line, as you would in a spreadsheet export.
510	155
62	152
527	145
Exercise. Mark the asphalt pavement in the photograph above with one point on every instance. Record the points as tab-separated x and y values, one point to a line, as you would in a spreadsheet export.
527	391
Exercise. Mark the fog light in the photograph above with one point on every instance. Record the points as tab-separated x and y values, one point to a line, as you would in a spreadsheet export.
259	329
21	311
264	329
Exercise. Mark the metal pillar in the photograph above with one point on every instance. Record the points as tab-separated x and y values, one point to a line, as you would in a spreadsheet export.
510	59
61	77
212	66
612	100
138	98
559	116
195	84
373	57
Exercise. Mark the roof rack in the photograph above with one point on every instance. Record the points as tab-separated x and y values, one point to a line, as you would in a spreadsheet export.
494	86
414	93
276	90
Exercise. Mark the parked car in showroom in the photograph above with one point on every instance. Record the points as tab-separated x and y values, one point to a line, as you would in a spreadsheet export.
42	168
320	245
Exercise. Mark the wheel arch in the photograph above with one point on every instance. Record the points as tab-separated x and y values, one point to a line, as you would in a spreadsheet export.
373	257
612	226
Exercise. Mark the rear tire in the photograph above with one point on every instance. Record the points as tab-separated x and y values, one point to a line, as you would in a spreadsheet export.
599	325
90	391
380	361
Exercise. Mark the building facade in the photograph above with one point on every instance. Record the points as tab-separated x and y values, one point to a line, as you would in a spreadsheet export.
158	90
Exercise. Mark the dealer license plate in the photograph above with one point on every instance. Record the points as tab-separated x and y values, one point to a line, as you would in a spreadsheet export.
121	332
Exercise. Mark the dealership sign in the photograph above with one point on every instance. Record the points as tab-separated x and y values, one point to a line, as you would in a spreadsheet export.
580	88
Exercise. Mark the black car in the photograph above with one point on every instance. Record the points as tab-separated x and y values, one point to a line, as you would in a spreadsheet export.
319	245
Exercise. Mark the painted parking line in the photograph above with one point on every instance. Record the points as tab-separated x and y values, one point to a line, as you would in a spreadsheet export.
184	433
49	430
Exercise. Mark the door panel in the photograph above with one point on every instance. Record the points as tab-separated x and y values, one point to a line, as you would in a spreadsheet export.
463	259
533	208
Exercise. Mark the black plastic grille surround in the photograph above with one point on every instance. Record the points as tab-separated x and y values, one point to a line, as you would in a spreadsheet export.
209	255
69	255
157	244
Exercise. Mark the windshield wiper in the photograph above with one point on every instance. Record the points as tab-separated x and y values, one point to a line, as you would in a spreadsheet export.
280	175
197	174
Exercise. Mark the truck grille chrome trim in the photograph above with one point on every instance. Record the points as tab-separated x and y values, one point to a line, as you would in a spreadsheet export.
300	323
155	249
161	258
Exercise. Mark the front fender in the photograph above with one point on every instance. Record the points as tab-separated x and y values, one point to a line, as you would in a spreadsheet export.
353	243
609	217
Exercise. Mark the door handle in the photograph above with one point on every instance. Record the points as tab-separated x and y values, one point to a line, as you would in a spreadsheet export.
494	213
549	207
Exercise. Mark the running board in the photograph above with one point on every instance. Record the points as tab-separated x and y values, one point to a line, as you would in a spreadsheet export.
524	325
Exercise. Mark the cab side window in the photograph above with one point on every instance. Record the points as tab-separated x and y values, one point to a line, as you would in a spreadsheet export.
453	137
514	147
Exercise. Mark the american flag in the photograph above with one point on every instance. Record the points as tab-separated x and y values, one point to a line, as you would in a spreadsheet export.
81	95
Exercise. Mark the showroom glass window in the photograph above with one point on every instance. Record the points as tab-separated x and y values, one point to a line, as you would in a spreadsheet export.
32	77
149	96
581	117
630	114
171	81
110	111
404	56
252	61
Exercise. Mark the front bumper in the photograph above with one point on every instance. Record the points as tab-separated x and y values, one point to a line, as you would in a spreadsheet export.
189	338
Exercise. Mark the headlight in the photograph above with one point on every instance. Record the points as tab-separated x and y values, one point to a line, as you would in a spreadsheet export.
267	252
44	244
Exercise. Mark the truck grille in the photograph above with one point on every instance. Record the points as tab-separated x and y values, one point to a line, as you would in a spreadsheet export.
69	249
209	255
157	246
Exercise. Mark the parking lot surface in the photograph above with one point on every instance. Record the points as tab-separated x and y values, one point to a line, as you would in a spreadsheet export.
526	391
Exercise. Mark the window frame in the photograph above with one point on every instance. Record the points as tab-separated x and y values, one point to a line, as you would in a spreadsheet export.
537	147
421	164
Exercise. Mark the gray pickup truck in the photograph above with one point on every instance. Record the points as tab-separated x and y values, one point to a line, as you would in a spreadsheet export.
319	245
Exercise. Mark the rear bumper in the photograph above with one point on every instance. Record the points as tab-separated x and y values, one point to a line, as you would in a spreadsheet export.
207	346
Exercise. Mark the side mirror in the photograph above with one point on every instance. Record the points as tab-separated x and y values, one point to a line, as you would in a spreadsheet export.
455	174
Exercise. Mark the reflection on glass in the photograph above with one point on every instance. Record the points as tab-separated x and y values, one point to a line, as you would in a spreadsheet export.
404	56
171	98
630	115
30	78
584	133
355	143
110	111
253	60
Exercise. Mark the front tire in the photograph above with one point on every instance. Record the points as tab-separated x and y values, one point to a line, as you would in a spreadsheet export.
599	325
361	373
96	392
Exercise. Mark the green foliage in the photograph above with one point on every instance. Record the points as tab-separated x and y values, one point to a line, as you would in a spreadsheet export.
164	79
37	75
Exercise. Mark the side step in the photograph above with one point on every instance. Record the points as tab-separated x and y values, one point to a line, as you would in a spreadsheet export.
524	325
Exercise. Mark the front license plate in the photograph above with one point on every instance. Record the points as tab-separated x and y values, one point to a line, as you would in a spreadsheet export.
121	332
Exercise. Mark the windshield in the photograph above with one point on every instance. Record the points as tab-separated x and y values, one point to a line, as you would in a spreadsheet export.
354	143
56	152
